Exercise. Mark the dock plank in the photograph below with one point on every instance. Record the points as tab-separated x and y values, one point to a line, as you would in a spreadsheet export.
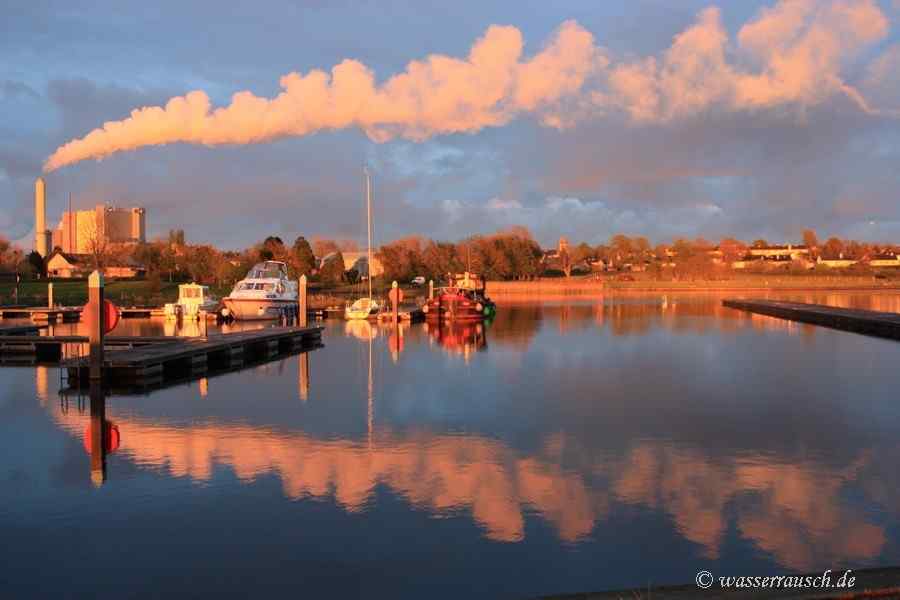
869	322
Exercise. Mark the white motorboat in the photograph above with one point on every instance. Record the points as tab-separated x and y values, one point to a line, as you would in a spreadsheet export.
265	293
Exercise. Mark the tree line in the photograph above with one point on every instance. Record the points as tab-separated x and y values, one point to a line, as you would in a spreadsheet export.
504	255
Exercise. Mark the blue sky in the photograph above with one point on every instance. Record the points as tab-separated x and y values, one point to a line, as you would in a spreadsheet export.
686	123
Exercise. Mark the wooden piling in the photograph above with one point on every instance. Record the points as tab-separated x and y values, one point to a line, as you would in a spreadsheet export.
49	295
96	320
302	302
395	303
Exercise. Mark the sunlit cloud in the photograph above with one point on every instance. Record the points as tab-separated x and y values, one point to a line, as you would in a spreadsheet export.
792	54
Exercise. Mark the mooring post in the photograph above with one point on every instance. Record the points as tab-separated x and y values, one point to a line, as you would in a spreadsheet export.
301	302
96	320
395	301
98	433
431	289
49	295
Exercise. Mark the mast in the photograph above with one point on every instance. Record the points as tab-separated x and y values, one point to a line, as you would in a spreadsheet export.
369	227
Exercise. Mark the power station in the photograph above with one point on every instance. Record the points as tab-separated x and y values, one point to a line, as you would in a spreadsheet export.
79	231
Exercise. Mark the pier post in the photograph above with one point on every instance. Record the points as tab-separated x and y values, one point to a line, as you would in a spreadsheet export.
395	302
301	302
49	295
96	316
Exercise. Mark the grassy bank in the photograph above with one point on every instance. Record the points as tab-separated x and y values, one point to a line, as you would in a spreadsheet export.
74	293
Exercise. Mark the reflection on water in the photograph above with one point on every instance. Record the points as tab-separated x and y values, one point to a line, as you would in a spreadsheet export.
574	434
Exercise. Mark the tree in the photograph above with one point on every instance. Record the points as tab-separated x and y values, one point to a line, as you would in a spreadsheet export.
202	263
304	260
810	240
760	243
622	248
732	249
176	237
97	245
323	247
37	264
833	249
332	269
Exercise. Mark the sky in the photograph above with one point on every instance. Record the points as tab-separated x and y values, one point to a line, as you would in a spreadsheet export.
578	118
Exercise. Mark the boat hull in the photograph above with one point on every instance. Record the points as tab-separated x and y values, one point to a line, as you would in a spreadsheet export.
454	307
259	309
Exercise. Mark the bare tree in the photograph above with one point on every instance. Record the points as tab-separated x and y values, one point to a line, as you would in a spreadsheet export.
96	244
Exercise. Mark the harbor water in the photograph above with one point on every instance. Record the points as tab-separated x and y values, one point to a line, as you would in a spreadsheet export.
569	445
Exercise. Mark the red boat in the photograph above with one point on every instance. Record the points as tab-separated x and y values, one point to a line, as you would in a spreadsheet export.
462	300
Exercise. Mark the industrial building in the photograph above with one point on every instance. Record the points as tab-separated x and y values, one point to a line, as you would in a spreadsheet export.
79	231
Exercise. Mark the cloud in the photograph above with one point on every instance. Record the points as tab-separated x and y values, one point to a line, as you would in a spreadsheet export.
439	95
790	54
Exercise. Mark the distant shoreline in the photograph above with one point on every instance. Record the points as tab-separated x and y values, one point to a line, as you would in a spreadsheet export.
585	287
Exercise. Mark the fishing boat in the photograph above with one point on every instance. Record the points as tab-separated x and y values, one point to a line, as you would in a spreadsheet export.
265	293
366	307
463	299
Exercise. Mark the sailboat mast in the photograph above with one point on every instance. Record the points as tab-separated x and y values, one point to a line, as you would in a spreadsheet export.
369	226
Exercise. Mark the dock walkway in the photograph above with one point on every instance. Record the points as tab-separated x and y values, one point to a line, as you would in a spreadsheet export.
869	322
151	364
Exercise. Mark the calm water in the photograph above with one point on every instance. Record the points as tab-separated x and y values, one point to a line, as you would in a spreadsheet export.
568	446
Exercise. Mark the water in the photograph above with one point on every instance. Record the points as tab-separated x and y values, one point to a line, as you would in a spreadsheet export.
568	446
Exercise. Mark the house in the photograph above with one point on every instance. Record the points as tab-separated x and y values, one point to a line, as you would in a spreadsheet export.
359	262
885	260
789	252
836	263
68	265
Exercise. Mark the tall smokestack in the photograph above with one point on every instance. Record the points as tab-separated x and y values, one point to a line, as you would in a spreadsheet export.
40	217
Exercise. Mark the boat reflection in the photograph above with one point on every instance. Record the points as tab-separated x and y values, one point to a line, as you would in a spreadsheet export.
459	337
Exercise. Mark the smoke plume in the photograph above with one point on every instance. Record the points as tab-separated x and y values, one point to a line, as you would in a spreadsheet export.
790	54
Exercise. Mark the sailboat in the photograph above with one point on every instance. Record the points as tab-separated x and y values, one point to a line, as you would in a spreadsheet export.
366	307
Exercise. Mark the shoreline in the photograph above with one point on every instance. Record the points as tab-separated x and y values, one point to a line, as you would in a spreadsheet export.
575	287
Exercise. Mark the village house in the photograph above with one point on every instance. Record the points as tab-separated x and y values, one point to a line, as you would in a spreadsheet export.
67	265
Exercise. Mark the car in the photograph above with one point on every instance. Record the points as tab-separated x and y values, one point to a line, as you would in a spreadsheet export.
418	280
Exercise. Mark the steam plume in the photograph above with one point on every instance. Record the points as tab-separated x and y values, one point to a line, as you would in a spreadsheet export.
790	54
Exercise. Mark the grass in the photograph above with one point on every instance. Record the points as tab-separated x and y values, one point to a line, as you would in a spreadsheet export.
74	293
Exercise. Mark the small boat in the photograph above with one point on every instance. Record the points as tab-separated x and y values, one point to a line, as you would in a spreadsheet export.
463	299
193	301
363	308
265	293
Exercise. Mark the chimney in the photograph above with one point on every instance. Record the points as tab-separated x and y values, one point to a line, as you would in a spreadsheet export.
41	234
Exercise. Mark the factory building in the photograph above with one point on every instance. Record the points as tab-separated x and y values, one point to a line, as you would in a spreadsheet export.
78	231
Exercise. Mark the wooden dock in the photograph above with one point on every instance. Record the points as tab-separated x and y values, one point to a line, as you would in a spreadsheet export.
33	348
7	330
41	313
154	364
869	322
